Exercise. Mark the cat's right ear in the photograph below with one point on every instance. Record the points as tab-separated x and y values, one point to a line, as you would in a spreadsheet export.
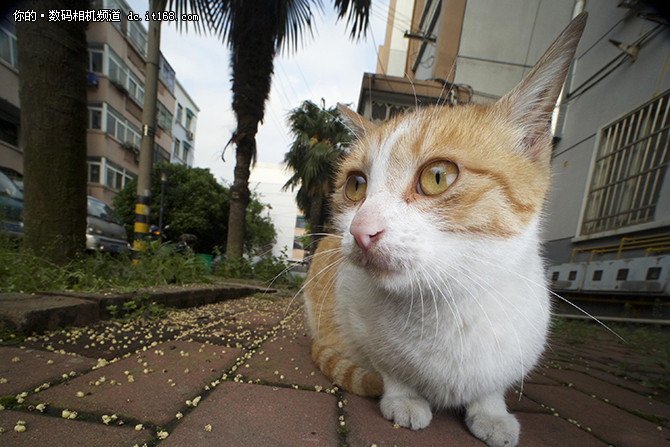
357	124
530	104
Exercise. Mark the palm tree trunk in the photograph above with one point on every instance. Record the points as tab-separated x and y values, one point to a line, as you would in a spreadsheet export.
252	61
52	90
240	195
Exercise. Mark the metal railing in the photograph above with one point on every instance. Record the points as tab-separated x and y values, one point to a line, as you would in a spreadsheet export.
650	244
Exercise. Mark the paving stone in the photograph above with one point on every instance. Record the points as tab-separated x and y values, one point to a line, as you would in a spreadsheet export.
607	422
244	415
539	376
150	397
622	398
36	313
26	369
551	431
628	384
42	430
523	404
367	426
288	354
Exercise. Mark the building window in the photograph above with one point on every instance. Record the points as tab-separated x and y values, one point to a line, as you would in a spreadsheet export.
116	177
164	118
121	129
135	88
189	120
95	117
117	5
186	150
118	72
180	112
138	37
160	154
9	132
8	47
93	172
629	169
175	148
597	275
166	73
95	58
133	135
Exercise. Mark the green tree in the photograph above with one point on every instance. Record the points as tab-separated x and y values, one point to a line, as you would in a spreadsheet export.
255	31
313	157
194	203
52	63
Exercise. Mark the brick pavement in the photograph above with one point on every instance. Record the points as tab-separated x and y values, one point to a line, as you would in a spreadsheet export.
238	373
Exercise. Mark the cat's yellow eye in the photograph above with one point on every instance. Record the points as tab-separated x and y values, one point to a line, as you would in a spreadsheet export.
354	188
436	177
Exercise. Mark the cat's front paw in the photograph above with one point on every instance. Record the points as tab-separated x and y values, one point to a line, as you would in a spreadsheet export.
410	412
499	430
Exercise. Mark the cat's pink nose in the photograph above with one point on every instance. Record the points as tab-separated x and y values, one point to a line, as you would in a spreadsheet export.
365	235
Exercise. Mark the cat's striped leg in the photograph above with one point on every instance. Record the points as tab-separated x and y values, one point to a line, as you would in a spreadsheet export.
404	406
488	419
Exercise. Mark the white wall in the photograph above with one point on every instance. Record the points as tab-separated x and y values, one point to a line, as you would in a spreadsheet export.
178	128
500	38
267	179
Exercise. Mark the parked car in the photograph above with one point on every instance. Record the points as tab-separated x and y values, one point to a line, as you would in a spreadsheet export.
11	207
104	230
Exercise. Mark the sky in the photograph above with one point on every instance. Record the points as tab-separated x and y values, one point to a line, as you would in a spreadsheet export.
328	65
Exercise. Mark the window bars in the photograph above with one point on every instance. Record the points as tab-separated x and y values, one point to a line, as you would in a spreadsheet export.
629	169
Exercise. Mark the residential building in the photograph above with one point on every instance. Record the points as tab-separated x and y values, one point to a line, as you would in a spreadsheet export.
268	180
183	127
609	204
117	64
11	156
611	155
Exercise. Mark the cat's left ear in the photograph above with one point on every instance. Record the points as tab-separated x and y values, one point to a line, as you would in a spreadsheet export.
531	103
356	123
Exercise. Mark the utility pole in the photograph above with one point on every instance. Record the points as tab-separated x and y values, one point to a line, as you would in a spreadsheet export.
141	228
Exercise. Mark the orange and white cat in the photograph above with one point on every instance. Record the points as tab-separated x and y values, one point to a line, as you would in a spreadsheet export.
432	294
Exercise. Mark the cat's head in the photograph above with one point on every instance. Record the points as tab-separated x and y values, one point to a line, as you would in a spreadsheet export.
432	185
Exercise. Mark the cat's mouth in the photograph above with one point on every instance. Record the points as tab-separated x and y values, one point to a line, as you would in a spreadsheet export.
376	263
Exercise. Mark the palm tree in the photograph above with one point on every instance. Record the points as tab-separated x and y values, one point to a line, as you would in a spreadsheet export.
255	31
313	157
52	60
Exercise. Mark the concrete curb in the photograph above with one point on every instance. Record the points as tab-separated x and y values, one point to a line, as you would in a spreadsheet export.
44	311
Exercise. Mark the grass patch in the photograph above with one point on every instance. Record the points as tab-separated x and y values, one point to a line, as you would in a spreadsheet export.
272	270
7	401
650	344
648	338
159	265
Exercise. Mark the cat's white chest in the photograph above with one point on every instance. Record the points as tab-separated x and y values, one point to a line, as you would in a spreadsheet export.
449	349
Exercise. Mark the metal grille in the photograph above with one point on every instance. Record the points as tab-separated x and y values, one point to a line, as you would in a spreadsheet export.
629	169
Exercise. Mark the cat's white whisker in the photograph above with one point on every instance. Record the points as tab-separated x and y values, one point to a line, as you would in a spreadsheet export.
317	275
567	302
447	297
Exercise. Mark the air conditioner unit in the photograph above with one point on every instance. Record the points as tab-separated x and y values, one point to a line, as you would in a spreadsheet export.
189	136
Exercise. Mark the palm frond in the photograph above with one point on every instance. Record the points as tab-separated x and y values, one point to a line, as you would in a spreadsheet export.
357	13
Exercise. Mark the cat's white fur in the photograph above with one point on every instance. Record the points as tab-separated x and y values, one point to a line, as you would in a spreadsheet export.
462	320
